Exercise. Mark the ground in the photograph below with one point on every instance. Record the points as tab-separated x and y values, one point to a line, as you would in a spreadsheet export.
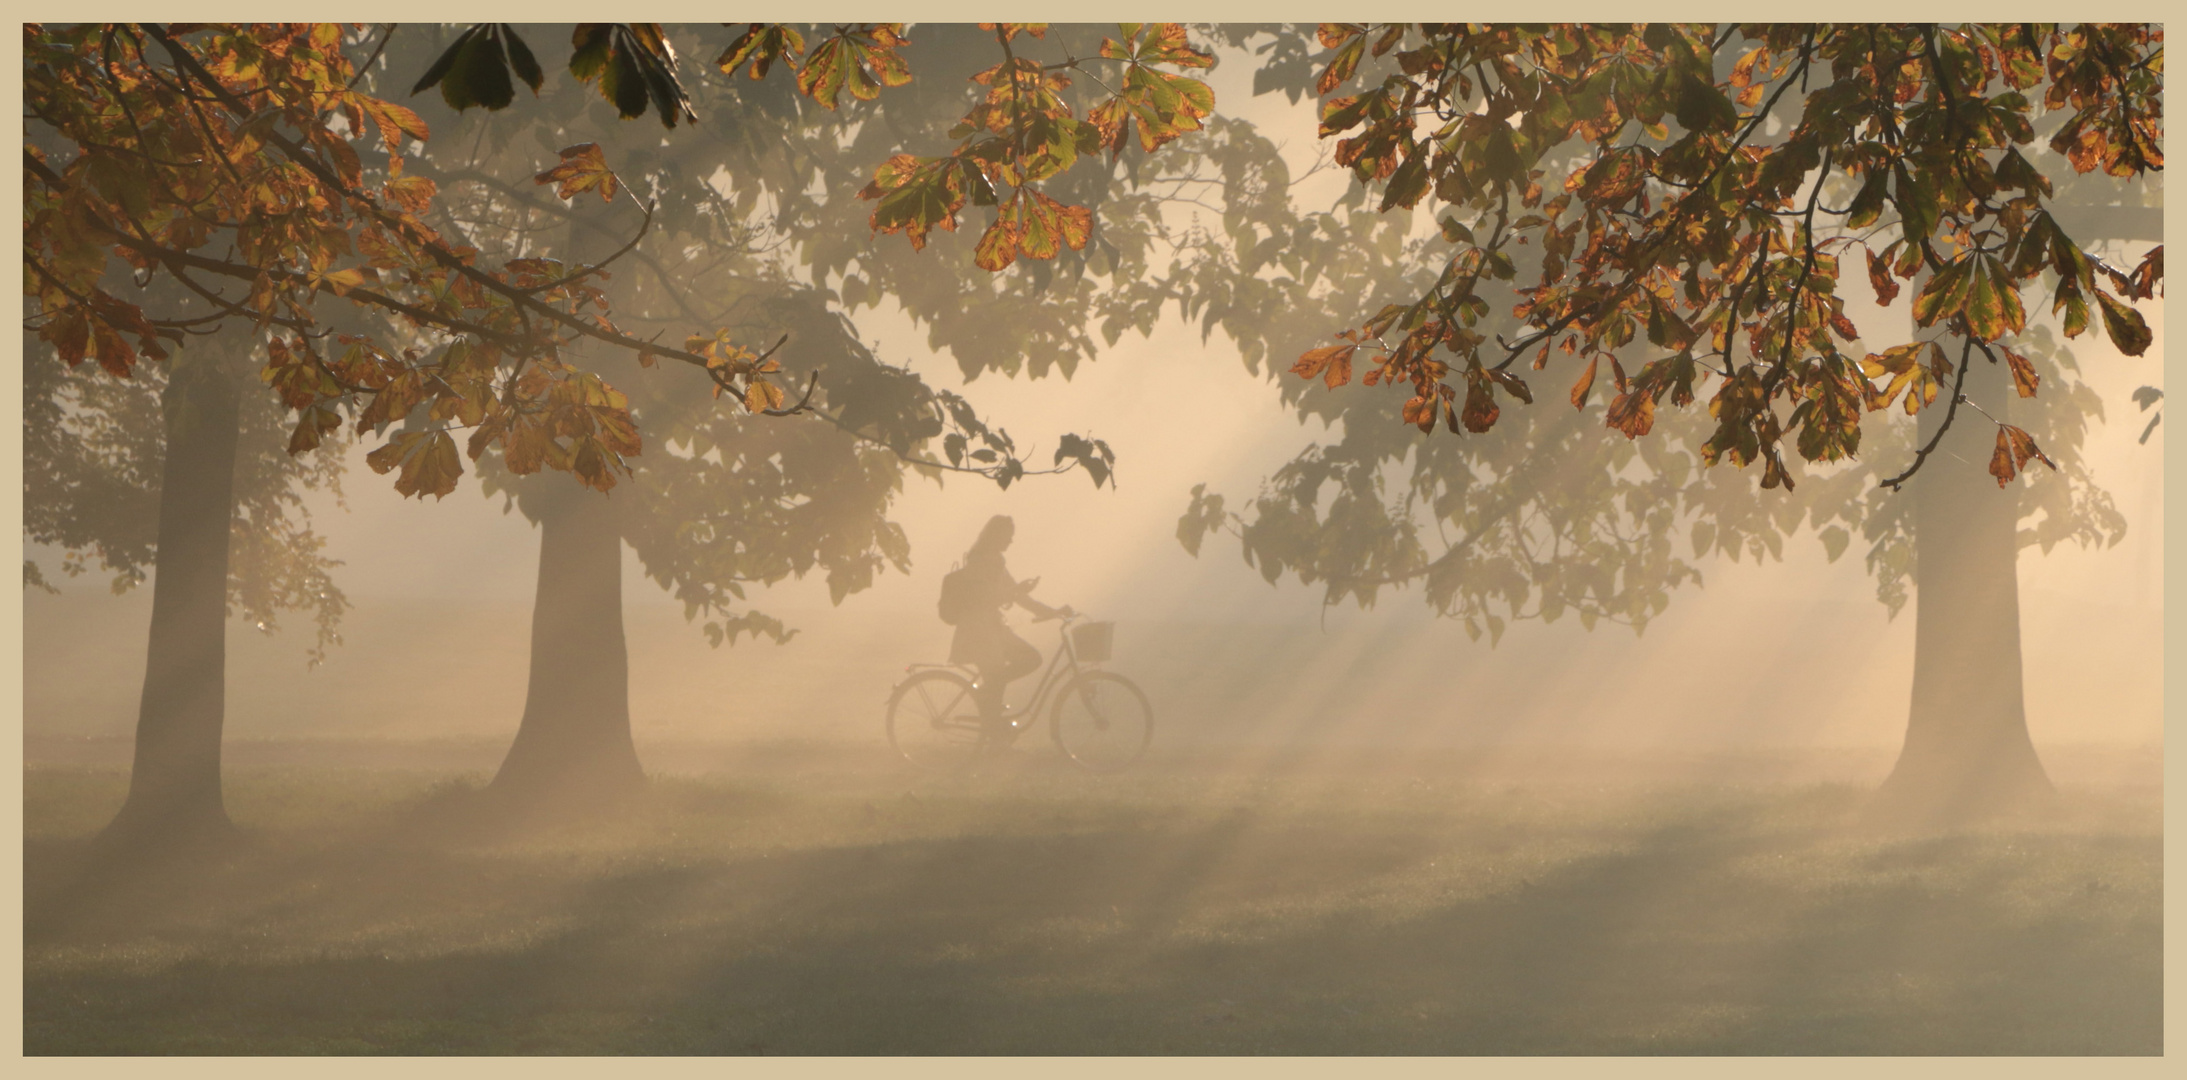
822	901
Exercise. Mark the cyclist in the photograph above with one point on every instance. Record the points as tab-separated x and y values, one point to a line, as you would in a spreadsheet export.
973	598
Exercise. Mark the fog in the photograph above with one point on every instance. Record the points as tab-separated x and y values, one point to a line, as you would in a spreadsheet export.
1355	829
436	646
1796	655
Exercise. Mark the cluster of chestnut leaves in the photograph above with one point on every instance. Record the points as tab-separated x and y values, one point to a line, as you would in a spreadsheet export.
1686	209
219	157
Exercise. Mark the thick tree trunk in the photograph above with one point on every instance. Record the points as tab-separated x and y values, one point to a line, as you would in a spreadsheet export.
174	784
574	743
1967	754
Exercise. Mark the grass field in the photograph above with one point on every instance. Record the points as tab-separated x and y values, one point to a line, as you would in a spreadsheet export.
837	906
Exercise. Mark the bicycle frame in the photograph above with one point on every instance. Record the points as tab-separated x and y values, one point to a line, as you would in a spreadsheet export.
1062	665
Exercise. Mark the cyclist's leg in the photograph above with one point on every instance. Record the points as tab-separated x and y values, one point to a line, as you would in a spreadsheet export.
1007	658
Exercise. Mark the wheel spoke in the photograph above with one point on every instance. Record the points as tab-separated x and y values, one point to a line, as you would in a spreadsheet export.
932	723
1102	721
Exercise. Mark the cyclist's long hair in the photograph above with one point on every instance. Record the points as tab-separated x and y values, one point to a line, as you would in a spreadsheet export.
993	536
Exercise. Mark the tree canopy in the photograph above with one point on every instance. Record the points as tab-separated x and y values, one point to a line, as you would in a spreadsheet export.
1655	209
1655	196
1679	199
166	144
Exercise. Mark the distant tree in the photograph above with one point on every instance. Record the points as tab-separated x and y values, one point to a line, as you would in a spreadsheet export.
93	451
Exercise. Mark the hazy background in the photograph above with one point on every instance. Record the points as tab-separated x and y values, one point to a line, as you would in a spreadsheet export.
1788	656
1796	654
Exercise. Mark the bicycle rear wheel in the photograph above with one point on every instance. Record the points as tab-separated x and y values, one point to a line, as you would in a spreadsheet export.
1102	721
934	722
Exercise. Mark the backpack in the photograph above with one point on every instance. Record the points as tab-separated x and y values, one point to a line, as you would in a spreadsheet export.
958	601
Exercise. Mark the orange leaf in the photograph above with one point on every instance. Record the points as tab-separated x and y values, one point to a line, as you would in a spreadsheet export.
2024	378
1332	362
1480	411
582	169
412	193
2014	448
1586	383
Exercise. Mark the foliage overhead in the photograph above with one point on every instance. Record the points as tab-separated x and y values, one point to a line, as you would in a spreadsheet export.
167	145
1653	201
1553	510
1674	187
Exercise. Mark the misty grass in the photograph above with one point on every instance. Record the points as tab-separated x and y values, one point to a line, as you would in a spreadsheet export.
849	909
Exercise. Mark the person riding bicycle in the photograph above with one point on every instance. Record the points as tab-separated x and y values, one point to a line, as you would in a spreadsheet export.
978	592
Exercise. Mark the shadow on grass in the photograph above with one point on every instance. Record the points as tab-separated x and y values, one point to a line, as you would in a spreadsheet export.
737	921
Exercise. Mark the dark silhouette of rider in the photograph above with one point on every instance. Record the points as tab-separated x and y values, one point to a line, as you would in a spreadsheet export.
983	639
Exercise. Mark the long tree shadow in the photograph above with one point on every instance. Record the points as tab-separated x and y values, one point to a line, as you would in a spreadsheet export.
1701	931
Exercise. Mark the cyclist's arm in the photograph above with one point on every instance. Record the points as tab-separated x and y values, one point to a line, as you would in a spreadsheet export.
1040	611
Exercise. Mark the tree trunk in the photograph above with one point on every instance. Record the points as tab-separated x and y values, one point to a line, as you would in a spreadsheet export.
1967	754
174	783
574	743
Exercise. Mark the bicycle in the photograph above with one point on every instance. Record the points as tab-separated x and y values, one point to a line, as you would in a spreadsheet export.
1101	720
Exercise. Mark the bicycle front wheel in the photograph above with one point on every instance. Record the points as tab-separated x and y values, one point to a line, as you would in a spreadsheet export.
1102	721
934	722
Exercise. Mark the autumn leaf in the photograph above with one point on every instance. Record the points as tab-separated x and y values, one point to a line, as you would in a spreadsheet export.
1881	280
413	193
761	45
914	195
1945	294
1829	421
762	395
1903	372
1992	305
2124	325
428	461
854	62
1512	384
1632	413
312	425
1164	106
1033	225
1157	43
1332	362
1481	411
2142	284
2024	378
2014	448
1420	411
1586	383
583	169
998	246
394	121
1049	226
339	282
1341	66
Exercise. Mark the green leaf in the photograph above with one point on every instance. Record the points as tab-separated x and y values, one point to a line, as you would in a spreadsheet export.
914	195
1868	204
1916	202
474	71
2124	325
635	67
520	57
1946	292
1992	303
